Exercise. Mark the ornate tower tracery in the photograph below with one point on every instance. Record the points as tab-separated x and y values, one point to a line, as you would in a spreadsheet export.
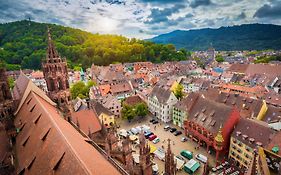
56	76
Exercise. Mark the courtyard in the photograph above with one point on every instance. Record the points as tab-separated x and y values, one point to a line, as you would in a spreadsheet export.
176	144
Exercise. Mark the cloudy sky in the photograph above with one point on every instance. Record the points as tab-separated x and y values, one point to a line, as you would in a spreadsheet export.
142	18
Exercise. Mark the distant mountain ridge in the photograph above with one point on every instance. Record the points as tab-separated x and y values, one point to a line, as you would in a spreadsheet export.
242	37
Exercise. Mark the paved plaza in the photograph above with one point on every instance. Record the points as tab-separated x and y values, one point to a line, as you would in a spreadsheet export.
176	144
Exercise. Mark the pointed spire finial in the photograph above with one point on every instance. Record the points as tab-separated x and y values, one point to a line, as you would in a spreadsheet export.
219	138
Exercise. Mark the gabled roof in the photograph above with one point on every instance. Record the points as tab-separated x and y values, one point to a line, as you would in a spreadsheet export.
252	132
87	120
29	86
133	100
99	108
20	86
48	144
209	114
161	94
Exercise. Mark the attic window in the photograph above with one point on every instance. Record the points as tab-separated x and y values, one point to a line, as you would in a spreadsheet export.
244	137
57	163
44	134
259	143
21	127
224	101
204	109
37	118
32	108
213	123
251	140
29	101
203	119
196	115
31	163
233	103
22	172
212	113
25	141
238	133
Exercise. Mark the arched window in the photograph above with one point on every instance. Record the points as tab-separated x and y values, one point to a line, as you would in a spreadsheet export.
60	84
66	84
52	85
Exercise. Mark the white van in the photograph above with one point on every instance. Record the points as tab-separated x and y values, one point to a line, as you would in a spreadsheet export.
134	131
201	157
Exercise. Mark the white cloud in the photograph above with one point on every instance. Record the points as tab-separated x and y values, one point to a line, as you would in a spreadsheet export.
130	17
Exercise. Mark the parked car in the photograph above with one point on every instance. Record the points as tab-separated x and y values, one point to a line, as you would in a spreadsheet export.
183	139
167	127
130	133
139	129
152	120
180	157
186	154
152	137
156	140
134	131
155	122
173	130
146	135
201	158
177	133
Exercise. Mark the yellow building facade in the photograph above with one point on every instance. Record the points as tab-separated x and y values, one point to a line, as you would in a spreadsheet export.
240	153
107	120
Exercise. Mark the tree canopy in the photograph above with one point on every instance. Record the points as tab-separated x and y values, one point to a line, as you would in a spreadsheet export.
80	89
129	112
179	91
23	45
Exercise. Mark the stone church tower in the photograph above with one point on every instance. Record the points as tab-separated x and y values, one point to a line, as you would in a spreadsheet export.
56	76
170	164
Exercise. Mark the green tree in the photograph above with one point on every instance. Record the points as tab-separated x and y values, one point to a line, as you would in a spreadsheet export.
219	58
141	109
80	89
179	91
11	82
128	112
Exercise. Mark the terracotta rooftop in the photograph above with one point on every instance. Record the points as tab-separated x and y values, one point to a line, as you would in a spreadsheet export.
20	86
133	100
161	94
209	114
248	107
87	120
99	108
47	144
253	133
238	68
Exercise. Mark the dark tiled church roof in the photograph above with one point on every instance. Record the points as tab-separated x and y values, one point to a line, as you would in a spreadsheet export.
48	144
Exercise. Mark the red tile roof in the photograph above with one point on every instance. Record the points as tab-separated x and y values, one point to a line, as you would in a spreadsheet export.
88	121
48	144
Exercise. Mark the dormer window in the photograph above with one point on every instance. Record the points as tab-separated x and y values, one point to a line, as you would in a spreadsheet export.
251	140
244	137
238	133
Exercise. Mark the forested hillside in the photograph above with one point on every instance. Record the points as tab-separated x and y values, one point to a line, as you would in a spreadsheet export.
242	37
23	45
